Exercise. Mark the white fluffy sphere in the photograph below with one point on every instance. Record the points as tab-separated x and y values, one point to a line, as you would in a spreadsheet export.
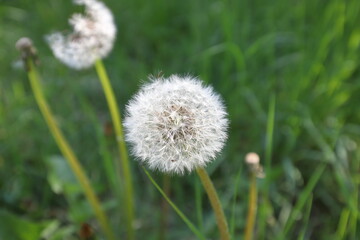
92	37
176	124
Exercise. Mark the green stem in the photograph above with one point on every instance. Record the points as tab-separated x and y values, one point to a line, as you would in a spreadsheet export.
176	209
124	158
251	215
215	203
67	151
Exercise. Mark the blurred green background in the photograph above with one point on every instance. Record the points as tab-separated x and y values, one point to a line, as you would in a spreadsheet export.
291	63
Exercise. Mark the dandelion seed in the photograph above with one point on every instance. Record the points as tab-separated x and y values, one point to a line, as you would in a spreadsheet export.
176	124
92	38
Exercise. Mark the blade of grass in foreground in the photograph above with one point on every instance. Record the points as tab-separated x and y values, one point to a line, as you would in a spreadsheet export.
164	214
270	132
265	207
67	151
105	154
198	201
353	222
232	219
176	209
303	198
343	223
306	218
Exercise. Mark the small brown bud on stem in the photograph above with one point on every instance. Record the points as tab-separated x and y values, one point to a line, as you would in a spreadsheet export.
28	51
253	160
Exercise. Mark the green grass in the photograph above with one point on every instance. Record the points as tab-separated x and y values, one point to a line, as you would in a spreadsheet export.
290	77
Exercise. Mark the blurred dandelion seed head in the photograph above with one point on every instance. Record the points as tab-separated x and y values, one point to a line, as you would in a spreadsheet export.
23	43
92	38
28	51
176	124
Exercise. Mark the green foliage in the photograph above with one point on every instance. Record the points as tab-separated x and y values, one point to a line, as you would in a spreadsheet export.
13	227
301	56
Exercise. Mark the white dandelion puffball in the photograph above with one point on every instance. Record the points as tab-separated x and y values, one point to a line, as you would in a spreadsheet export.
176	124
92	38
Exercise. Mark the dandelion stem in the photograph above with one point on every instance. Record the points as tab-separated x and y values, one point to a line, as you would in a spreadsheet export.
215	203
176	209
67	151
251	215
124	159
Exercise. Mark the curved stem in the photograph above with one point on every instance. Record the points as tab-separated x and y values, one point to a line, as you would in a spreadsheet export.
215	203
124	158
67	151
251	215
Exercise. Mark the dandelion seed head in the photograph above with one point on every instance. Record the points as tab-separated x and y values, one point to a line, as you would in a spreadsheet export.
176	124
92	38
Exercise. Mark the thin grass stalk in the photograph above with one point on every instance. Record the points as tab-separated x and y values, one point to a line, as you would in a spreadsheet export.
270	132
198	201
67	151
354	215
305	223
124	158
265	208
164	214
302	199
251	215
343	224
112	176
232	219
215	203
191	226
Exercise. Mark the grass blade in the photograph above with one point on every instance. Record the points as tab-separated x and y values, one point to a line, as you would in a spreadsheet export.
306	218
303	198
176	209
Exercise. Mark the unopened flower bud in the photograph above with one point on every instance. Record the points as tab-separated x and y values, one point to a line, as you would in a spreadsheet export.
28	51
23	44
252	158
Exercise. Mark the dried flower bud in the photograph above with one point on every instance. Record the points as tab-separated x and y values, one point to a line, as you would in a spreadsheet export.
253	160
86	232
176	124
23	44
28	51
